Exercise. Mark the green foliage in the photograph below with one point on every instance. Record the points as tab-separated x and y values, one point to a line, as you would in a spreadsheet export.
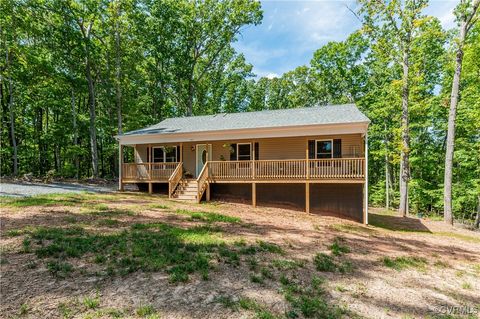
324	262
59	269
338	247
404	262
145	310
149	61
208	217
309	299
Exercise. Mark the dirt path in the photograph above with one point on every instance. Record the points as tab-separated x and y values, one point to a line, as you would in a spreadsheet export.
402	268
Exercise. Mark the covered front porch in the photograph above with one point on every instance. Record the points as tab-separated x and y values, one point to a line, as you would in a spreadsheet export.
190	169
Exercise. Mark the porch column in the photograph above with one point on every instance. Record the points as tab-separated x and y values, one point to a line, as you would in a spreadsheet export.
181	153
365	184
120	164
254	194
307	197
253	159
307	182
149	151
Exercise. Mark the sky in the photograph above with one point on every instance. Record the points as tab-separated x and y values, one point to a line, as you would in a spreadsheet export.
292	30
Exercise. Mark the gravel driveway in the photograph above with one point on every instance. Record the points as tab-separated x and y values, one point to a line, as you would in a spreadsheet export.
31	189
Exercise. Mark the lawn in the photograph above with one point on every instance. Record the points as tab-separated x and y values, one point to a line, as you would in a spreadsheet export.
138	256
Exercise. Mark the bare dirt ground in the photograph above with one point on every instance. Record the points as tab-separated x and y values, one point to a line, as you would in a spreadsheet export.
261	262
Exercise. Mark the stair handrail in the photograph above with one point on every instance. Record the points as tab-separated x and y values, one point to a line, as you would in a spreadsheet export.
202	182
174	179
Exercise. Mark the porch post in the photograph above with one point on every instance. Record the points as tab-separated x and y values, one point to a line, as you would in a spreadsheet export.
120	164
365	184
181	152
254	194
253	159
149	151
307	182
307	197
150	160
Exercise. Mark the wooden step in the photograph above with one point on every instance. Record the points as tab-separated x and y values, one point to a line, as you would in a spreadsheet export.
186	197
188	192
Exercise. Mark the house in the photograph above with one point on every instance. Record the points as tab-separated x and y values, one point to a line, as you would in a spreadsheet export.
314	158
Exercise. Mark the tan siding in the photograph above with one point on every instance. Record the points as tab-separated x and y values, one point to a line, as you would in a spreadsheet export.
269	148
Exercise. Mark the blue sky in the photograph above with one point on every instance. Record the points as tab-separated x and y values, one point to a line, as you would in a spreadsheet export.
292	30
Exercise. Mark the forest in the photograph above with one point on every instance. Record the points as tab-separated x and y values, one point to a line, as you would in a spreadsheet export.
75	73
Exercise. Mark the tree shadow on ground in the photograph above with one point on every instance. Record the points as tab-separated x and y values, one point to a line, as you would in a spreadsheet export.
397	223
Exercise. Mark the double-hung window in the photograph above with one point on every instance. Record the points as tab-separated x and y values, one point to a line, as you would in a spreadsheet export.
244	152
162	154
324	149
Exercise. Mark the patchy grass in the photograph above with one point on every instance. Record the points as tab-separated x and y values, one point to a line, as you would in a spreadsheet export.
111	212
467	285
338	247
261	312
404	262
327	263
208	217
74	199
324	262
309	299
227	302
59	269
158	206
91	302
145	310
108	222
147	247
288	264
353	229
467	238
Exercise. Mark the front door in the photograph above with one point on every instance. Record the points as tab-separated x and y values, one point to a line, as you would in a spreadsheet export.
202	154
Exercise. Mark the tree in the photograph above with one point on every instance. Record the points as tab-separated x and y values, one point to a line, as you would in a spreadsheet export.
399	21
466	13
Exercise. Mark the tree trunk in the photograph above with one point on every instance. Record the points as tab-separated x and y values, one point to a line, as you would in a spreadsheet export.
91	102
477	219
447	191
118	73
75	134
12	127
190	98
387	186
404	158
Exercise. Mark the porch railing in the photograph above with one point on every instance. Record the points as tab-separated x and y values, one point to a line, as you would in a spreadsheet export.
315	169
202	181
148	171
174	179
337	168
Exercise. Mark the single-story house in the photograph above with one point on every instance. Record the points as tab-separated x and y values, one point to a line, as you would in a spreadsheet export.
315	158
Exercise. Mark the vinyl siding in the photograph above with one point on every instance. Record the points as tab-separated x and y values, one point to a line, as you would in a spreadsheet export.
269	148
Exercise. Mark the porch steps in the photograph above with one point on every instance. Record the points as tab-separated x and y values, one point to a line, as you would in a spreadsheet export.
186	190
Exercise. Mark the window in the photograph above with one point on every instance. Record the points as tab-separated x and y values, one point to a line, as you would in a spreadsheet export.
171	154
244	152
324	149
162	154
158	154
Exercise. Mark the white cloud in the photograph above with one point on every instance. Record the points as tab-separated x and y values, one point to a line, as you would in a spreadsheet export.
292	30
272	75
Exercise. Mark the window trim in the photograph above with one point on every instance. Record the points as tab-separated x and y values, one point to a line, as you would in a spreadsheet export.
238	153
164	154
316	148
